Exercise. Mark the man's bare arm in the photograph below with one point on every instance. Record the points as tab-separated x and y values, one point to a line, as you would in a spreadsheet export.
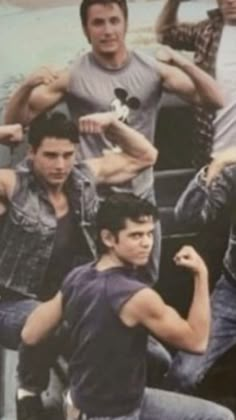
40	91
135	151
11	134
167	17
43	320
183	77
147	308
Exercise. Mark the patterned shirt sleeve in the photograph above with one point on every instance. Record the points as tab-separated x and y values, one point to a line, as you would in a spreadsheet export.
182	36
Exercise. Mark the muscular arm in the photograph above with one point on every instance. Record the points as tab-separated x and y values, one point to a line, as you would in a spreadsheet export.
42	320
40	91
183	77
10	135
135	151
147	308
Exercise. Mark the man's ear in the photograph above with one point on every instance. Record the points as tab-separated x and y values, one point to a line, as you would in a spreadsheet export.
107	238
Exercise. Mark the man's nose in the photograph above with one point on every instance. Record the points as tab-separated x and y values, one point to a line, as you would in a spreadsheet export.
146	241
108	27
60	162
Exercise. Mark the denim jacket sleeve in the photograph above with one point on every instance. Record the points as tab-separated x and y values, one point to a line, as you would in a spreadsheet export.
200	203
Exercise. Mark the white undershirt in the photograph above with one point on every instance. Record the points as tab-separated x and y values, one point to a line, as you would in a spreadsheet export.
225	122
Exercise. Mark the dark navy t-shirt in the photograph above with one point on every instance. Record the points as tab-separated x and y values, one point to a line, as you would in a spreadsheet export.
107	367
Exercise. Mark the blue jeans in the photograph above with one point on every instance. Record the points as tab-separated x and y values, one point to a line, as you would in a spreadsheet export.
164	405
13	313
188	370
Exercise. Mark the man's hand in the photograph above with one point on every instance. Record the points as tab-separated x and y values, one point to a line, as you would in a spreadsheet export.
42	76
222	159
11	134
96	123
187	257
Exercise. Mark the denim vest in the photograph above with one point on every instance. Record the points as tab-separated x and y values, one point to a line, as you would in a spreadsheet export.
28	234
200	204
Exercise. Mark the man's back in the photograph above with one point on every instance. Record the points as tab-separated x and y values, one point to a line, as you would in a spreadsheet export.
107	367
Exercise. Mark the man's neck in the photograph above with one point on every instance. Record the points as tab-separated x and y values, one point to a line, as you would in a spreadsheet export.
107	261
112	61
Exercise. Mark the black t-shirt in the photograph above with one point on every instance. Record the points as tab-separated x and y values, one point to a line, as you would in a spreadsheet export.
107	367
70	249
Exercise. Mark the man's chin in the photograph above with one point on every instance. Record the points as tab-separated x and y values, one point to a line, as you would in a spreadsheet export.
56	182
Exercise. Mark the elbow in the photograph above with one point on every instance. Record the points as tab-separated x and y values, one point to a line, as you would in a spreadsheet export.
150	158
199	347
212	104
28	337
220	102
216	105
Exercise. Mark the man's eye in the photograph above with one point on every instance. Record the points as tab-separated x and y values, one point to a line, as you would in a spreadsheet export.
136	235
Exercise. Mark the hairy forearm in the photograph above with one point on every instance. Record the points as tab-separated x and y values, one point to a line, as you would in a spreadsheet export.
206	87
168	16
199	312
132	142
17	109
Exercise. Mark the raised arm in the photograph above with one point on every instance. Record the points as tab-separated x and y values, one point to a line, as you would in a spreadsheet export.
167	17
40	90
42	320
147	308
182	36
182	76
133	154
10	135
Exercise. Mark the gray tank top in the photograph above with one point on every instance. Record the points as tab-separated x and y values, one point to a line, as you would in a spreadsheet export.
133	91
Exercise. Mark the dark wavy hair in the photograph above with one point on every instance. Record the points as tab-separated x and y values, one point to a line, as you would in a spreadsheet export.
85	4
53	125
116	209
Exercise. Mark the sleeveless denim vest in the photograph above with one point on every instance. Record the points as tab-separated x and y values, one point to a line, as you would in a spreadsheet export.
28	234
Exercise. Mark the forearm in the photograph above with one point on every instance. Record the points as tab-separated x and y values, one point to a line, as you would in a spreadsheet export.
199	312
167	17
17	109
132	142
206	87
42	320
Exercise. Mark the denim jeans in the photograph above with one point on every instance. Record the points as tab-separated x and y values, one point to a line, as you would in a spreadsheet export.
187	370
164	405
13	313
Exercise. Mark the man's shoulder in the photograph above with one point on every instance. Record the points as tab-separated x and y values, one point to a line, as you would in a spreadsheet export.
121	285
123	279
77	275
143	58
81	60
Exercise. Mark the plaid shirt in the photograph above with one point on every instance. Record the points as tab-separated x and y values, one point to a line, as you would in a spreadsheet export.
203	38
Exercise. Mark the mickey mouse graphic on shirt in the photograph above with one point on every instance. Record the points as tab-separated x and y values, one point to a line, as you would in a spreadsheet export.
123	104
